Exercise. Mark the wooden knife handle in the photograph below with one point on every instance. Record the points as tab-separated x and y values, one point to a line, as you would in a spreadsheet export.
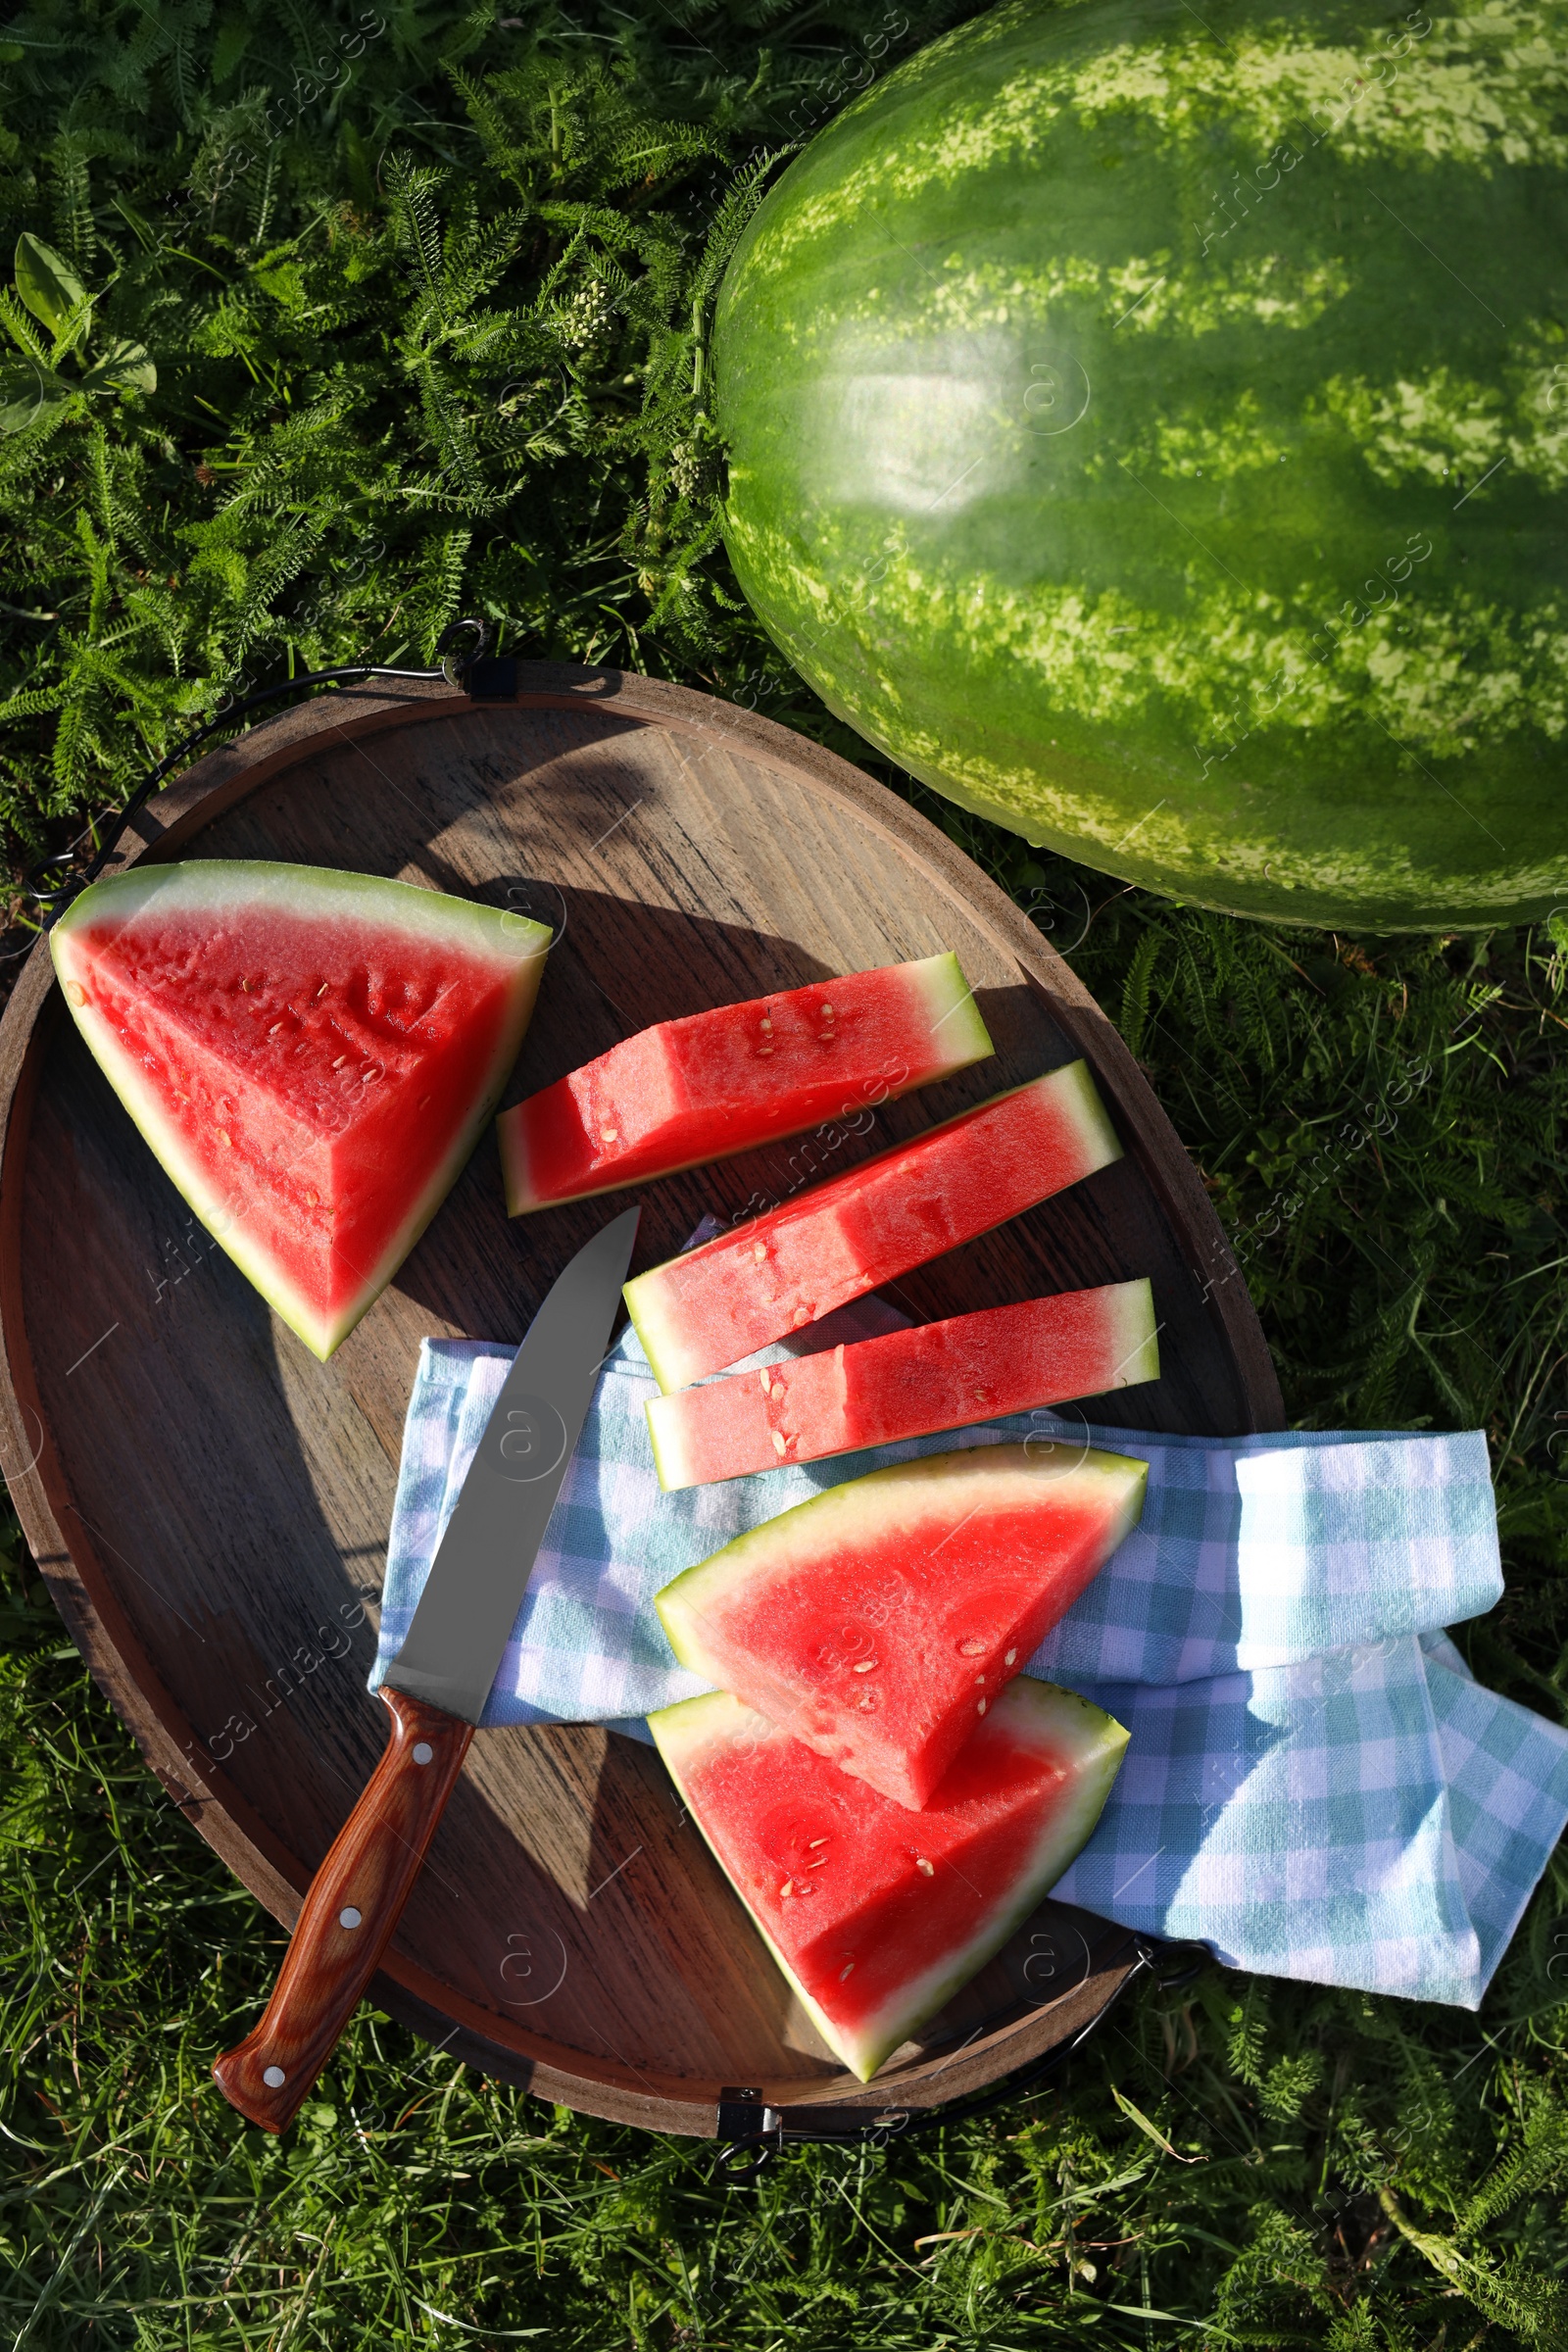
355	1901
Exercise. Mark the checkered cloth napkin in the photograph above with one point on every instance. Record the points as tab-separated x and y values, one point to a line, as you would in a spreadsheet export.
1314	1786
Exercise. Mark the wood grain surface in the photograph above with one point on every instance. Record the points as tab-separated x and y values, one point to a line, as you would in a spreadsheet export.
211	1504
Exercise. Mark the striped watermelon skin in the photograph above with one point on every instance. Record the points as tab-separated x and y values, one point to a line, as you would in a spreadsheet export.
1150	426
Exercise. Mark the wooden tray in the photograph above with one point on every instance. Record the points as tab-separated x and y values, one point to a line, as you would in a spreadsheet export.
210	1505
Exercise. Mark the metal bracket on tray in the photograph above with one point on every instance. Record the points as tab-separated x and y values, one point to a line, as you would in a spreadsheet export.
753	2132
494	681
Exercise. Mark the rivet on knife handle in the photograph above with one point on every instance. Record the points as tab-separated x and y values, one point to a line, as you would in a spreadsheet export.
354	1904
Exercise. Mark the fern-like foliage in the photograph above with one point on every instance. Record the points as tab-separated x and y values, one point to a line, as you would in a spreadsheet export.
408	279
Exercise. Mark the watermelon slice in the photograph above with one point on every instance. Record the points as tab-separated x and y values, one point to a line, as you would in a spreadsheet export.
726	1081
907	1384
879	1621
310	1055
790	1268
875	1919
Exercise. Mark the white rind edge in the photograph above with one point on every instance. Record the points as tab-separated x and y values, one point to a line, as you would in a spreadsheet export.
1138	1339
471	929
946	990
1061	1842
761	1549
672	1464
943	989
1072	1080
1075	1082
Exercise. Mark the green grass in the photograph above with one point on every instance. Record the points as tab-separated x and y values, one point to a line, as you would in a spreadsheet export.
432	340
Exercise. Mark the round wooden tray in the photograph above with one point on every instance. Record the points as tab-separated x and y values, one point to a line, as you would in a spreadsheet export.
210	1504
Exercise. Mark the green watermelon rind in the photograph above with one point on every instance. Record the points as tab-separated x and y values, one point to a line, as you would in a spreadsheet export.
509	940
691	1725
1136	1342
832	1520
657	1320
951	999
1270	613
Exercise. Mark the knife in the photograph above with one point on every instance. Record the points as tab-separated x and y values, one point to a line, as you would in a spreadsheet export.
436	1688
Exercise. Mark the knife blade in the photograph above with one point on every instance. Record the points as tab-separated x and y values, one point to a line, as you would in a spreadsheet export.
436	1686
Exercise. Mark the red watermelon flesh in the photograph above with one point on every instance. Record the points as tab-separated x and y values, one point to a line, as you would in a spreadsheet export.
795	1264
875	1916
907	1384
879	1622
310	1055
739	1076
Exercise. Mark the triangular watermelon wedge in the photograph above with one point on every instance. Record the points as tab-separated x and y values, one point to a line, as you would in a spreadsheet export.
880	1622
876	1916
311	1056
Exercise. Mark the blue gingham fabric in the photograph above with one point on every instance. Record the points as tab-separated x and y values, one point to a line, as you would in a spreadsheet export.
1313	1786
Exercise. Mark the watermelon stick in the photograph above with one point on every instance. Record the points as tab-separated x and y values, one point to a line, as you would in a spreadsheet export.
908	1383
699	1313
726	1081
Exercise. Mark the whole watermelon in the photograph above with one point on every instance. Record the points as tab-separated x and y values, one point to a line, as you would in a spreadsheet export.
1150	425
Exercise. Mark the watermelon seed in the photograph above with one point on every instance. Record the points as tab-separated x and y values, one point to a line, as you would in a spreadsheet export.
75	993
767	1028
759	1250
767	1049
766	1378
326	985
225	1139
980	1710
788	1887
780	1441
814	1843
777	1389
819	1864
865	1667
276	1026
844	1972
929	1868
1008	1658
868	1701
972	1647
609	1135
312	1199
341	1060
980	1681
801	1314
